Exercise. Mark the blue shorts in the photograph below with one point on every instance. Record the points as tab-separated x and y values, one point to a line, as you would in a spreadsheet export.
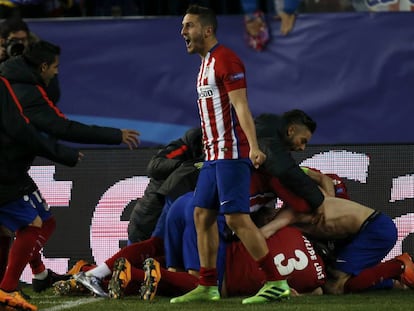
374	241
22	212
224	185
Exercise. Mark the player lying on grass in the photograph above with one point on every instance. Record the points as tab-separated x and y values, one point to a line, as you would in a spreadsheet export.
262	194
363	237
297	260
402	264
349	222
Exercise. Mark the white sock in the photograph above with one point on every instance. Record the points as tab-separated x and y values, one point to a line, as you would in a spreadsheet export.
41	276
100	271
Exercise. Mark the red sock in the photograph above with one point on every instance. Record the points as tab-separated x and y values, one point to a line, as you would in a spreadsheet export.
208	276
5	242
136	253
48	227
176	283
36	263
372	276
134	286
20	252
137	274
267	265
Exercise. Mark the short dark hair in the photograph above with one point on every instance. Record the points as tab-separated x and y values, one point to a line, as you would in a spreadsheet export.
41	52
297	116
206	15
12	24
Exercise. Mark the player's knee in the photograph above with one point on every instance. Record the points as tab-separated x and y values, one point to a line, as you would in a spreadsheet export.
204	217
237	222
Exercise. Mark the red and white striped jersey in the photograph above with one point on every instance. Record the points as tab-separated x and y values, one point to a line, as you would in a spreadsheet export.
221	72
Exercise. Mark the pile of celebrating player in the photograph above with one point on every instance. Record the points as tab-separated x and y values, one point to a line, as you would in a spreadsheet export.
211	230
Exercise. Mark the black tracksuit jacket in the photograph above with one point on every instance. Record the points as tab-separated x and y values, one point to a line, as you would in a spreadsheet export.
271	130
16	159
172	173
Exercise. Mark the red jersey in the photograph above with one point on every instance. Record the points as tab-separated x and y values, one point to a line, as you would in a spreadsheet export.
221	72
294	257
262	192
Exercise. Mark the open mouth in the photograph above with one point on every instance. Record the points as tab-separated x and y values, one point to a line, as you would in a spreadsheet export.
187	42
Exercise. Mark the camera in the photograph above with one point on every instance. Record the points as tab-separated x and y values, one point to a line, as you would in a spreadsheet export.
14	47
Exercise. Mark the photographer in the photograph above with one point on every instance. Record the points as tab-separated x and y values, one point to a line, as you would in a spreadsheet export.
15	38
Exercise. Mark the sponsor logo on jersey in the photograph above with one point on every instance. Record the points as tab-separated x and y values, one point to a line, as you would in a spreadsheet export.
205	92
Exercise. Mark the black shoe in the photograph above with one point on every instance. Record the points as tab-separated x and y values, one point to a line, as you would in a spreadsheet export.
52	277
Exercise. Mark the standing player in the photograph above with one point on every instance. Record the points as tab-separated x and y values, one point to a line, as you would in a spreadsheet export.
229	138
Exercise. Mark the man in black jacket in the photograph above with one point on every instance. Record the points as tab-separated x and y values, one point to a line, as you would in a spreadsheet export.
172	173
17	134
15	38
29	75
19	142
280	135
16	129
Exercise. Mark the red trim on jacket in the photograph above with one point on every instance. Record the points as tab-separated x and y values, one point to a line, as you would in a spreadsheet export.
175	153
49	102
16	101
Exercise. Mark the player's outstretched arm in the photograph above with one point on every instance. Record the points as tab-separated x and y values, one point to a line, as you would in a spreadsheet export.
130	138
283	218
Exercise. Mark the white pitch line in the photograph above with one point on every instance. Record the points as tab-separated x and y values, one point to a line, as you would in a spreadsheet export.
70	304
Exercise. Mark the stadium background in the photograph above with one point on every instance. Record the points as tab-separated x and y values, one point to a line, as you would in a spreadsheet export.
352	72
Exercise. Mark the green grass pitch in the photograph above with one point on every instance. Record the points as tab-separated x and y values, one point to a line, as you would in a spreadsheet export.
372	301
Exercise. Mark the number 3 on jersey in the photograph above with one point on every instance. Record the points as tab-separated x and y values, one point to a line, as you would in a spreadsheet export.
299	263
